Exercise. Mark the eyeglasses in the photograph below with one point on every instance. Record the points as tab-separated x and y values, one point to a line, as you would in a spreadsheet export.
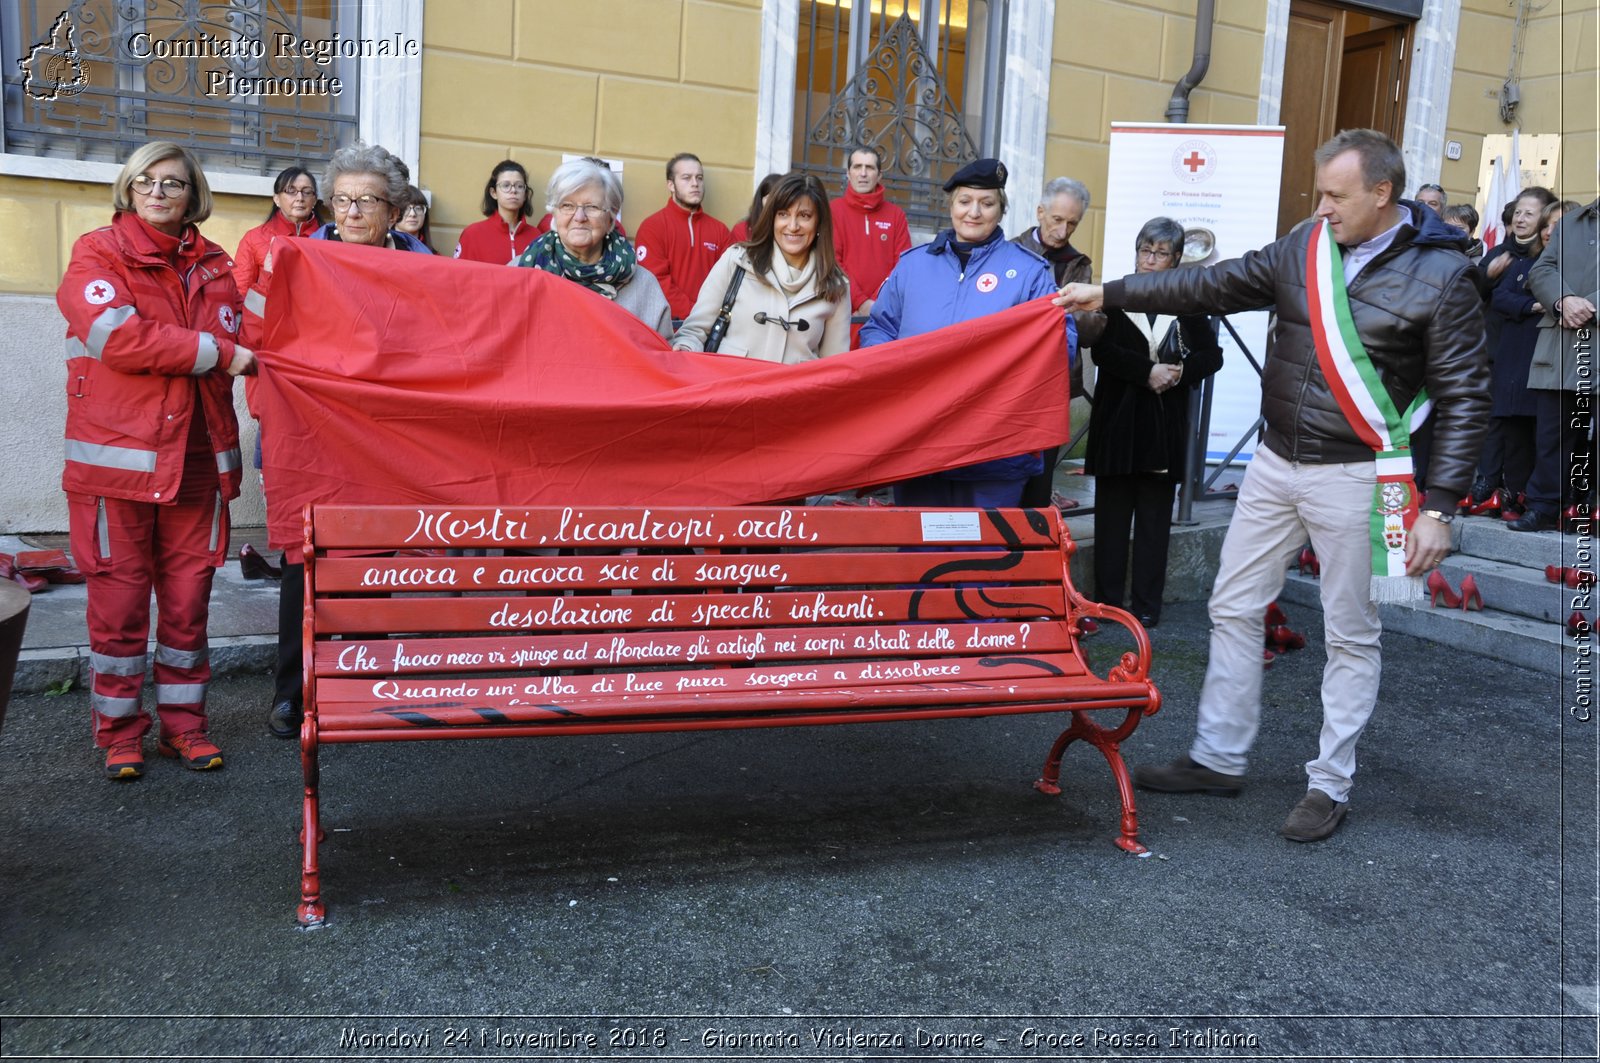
299	193
567	210
171	187
519	187
417	208
342	203
1154	254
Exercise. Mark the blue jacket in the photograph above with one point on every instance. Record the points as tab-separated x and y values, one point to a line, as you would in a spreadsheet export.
929	290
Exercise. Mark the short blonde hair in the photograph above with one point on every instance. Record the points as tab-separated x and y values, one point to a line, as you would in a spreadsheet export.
143	158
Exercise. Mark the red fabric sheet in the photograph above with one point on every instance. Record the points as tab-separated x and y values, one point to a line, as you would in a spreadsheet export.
394	378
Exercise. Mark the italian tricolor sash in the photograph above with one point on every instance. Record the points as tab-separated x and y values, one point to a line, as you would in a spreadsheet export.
1372	414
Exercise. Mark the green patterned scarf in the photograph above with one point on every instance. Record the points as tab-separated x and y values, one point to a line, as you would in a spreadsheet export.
612	271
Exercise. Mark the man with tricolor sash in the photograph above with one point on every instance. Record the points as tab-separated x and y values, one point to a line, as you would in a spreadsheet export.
1378	323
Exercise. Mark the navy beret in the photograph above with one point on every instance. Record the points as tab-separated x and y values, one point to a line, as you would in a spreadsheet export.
980	173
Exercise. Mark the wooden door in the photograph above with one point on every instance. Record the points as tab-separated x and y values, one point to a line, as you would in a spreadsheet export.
1343	69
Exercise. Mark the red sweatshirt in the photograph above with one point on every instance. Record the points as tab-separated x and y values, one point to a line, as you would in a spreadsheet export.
491	240
869	235
680	247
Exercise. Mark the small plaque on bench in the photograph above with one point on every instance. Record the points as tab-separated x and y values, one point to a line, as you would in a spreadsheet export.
951	528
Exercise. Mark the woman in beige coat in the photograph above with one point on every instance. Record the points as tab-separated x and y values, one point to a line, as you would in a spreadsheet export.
792	303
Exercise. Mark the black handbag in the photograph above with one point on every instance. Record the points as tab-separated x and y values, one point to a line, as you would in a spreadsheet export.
719	327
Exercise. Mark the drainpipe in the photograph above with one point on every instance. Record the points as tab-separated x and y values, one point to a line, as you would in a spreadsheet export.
1178	106
1199	398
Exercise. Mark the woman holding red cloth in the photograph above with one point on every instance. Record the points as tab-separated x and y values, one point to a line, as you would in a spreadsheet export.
152	449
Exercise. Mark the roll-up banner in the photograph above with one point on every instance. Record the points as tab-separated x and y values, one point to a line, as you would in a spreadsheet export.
1220	182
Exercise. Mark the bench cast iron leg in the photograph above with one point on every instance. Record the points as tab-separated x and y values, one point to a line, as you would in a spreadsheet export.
1108	743
311	912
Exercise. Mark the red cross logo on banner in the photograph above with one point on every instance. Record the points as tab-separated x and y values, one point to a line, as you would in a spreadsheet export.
99	293
987	283
1194	161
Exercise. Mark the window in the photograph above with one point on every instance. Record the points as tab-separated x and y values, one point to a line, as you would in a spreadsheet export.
919	79
249	86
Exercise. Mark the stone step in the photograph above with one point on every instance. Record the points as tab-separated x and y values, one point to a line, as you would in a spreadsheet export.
1518	590
1541	645
1489	537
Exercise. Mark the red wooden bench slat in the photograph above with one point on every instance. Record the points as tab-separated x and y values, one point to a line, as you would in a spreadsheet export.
487	527
511	574
640	611
643	649
1050	691
713	682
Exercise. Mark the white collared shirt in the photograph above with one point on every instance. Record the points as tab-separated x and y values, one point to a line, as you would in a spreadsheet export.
1358	256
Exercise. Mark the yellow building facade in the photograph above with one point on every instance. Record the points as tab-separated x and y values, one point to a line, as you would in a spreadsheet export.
636	81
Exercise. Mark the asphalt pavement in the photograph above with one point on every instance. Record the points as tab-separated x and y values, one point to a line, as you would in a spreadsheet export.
867	892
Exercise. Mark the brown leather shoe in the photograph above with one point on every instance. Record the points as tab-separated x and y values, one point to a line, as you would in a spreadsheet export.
1314	818
1184	776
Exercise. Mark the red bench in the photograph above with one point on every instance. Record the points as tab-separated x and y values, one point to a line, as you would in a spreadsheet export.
634	620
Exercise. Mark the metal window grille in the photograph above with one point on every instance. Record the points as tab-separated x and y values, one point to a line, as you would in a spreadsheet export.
97	78
918	79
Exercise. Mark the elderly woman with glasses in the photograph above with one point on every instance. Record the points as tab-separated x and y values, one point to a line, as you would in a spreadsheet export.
367	191
152	449
505	232
1138	426
584	198
293	213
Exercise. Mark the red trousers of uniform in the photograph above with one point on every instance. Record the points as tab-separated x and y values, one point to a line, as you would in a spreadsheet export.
126	550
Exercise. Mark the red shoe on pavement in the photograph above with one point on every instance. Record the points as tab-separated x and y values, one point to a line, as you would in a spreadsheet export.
194	749
125	759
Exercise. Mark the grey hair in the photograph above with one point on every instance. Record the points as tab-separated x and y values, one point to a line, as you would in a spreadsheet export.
1444	197
374	159
581	173
1064	186
1380	158
1161	231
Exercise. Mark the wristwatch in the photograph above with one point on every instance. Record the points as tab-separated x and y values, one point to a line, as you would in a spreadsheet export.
1442	518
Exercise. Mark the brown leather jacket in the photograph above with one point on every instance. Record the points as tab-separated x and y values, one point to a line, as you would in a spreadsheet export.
1419	316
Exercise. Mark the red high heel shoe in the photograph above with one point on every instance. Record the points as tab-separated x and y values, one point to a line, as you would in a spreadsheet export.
1276	616
1283	639
1489	507
1439	589
1578	625
1555	574
1308	560
1471	597
1513	507
1267	657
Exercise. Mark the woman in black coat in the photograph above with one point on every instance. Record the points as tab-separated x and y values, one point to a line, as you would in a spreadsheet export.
1517	314
1147	365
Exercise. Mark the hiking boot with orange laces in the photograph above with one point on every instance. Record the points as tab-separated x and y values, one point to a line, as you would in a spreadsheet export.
125	759
193	748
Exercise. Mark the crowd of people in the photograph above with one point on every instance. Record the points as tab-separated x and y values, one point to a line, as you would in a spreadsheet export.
159	321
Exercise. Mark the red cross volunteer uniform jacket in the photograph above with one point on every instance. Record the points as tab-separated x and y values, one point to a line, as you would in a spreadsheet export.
132	374
869	236
680	247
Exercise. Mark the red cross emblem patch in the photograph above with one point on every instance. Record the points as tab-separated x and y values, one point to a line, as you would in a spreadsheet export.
99	293
988	283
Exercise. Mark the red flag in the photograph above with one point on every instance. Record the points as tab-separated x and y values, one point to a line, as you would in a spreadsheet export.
395	378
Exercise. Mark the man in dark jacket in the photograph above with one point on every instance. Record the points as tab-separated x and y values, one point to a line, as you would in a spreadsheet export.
1391	310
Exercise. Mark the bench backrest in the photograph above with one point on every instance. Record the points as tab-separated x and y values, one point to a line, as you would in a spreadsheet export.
640	601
